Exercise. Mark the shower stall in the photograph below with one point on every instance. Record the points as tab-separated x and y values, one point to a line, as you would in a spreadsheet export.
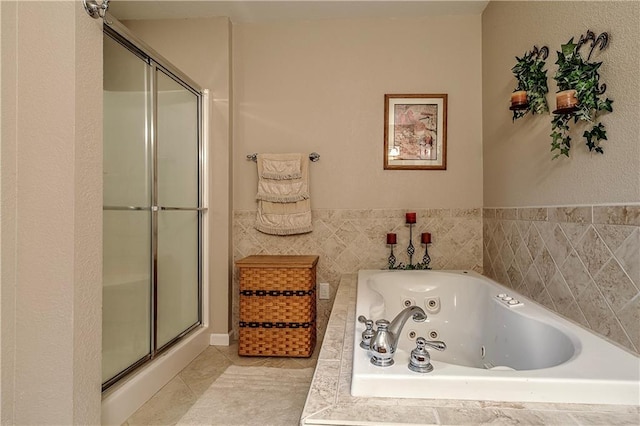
153	206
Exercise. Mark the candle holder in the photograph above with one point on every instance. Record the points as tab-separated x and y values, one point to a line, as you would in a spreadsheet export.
580	95
531	91
426	259
410	248
425	238
392	258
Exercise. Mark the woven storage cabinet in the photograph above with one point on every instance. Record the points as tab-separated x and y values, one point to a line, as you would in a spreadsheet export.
277	305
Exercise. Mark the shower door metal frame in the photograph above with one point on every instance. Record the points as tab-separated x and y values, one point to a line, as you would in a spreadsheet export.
156	63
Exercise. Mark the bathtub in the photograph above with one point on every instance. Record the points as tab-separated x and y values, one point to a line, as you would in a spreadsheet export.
500	345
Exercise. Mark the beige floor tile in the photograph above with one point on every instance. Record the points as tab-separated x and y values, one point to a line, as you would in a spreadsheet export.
166	407
173	401
204	370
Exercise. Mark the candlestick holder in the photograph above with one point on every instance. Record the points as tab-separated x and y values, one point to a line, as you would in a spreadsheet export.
426	259
410	248
392	258
425	239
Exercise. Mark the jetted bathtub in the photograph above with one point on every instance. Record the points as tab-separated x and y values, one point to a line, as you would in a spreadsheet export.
500	345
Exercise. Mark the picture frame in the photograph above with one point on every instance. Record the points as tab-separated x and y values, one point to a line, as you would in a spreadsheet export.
415	132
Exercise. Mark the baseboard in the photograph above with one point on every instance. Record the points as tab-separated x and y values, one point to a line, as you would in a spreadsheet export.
220	339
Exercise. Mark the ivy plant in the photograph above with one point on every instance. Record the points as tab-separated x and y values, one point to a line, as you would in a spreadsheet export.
574	73
532	78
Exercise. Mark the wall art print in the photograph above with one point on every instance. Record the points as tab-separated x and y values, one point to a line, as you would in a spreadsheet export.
415	132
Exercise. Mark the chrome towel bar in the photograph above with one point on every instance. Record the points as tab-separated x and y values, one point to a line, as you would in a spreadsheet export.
314	156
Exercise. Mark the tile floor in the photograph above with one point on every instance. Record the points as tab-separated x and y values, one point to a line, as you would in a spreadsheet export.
172	401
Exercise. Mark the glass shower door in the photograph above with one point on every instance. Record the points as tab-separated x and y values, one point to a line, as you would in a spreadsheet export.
152	215
126	307
178	200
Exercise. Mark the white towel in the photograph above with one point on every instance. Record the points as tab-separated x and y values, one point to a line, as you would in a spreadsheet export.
282	178
284	207
279	167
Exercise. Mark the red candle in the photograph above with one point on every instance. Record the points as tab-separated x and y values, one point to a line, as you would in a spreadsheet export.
411	217
391	238
426	238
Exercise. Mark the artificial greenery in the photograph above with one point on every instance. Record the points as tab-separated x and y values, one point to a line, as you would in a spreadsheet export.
583	77
420	266
533	79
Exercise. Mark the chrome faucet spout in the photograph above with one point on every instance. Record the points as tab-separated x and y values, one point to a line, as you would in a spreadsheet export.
384	342
395	328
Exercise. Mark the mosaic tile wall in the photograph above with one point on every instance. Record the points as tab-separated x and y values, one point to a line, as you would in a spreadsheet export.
350	240
582	262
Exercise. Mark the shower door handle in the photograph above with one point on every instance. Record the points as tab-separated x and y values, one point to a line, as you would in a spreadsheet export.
154	208
125	208
193	209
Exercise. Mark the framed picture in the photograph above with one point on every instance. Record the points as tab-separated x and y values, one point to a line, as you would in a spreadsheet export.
415	132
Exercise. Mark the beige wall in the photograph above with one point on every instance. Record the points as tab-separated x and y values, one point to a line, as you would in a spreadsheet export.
565	232
51	213
304	86
518	170
319	86
201	49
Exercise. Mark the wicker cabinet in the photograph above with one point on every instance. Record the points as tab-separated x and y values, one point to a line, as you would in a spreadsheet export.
277	305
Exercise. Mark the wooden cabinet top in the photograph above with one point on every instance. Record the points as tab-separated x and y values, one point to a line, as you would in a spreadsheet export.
276	261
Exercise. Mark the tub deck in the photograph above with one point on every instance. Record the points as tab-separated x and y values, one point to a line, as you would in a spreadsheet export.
329	401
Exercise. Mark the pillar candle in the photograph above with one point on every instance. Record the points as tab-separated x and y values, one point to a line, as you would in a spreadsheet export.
519	97
411	218
566	99
391	238
426	238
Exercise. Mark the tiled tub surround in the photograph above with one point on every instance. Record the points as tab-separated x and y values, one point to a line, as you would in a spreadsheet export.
350	240
329	400
581	262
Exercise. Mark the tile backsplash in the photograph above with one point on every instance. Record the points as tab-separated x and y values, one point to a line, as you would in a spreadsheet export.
350	240
581	262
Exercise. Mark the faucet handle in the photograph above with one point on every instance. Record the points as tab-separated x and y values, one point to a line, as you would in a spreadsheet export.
362	319
367	334
420	360
434	344
382	324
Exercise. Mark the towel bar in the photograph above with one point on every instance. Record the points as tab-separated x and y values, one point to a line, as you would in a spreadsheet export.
314	156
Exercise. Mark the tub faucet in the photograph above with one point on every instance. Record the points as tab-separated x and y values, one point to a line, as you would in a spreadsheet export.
385	340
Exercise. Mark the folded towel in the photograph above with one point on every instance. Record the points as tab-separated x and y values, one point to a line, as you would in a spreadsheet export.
284	218
280	166
282	178
282	191
284	207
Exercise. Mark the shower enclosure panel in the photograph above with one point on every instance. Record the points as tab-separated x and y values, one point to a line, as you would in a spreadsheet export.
178	195
152	209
